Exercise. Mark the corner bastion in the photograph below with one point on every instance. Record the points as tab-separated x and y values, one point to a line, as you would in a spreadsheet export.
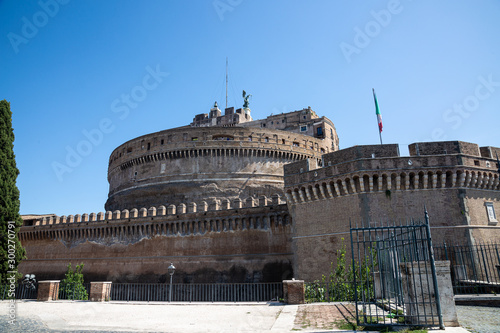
373	185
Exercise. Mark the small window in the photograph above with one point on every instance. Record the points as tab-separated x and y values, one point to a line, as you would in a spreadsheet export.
263	125
266	139
135	173
476	163
249	138
319	131
222	138
490	210
149	145
322	150
129	150
162	141
283	120
305	117
296	144
303	128
283	141
194	139
272	122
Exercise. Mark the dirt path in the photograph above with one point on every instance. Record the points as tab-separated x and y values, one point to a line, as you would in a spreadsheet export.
323	316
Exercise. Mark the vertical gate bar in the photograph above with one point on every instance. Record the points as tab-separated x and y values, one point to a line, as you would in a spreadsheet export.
354	273
433	269
485	267
371	281
427	255
418	257
498	259
490	263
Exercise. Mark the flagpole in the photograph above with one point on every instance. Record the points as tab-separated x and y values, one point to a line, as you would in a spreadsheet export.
378	115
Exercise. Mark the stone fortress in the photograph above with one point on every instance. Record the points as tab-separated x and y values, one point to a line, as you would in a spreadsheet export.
232	199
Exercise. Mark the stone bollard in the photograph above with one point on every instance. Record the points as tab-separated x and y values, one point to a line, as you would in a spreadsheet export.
100	291
418	290
48	290
293	291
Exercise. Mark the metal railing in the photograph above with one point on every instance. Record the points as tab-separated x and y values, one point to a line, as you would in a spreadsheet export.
197	292
395	275
22	292
475	269
74	291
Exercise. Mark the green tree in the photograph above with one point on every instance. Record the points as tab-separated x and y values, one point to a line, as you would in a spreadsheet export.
11	251
72	285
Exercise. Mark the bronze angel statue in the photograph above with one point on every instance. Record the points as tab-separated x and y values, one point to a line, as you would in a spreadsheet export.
245	99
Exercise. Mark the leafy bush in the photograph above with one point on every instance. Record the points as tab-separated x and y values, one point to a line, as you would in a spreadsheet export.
339	284
72	285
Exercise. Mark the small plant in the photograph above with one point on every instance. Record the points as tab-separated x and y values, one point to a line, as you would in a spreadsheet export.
339	285
72	285
346	325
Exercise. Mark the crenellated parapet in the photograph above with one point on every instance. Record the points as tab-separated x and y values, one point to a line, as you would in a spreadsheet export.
192	219
369	169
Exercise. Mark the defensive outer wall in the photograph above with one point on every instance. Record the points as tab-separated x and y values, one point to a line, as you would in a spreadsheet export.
372	185
238	241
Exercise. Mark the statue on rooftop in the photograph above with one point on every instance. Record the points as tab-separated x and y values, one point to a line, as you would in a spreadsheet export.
245	99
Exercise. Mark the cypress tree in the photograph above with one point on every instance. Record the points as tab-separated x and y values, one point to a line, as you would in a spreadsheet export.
11	251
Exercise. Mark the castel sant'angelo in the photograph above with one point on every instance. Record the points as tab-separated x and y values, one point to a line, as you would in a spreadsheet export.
232	199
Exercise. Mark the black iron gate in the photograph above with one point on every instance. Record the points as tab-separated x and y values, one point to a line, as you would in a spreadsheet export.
395	275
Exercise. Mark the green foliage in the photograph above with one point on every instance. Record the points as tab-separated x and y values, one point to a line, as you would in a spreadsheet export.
72	285
339	284
11	251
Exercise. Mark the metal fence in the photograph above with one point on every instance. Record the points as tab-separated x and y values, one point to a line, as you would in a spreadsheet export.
394	275
74	291
22	292
197	292
475	269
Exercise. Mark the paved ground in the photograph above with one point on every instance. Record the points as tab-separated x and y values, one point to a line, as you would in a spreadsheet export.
479	319
83	316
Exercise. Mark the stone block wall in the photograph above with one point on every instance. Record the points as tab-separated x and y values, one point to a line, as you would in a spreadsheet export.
233	245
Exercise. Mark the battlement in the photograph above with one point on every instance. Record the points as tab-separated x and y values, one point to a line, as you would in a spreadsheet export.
169	210
379	168
444	148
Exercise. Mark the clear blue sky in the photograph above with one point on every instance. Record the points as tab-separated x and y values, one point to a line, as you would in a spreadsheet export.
67	69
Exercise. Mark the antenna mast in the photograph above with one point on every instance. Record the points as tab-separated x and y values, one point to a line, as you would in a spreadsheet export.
226	82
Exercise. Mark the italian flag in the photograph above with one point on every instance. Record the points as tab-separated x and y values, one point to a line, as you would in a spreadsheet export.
377	112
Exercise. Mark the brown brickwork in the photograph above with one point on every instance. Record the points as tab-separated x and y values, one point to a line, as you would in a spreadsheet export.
294	291
235	245
48	290
100	291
